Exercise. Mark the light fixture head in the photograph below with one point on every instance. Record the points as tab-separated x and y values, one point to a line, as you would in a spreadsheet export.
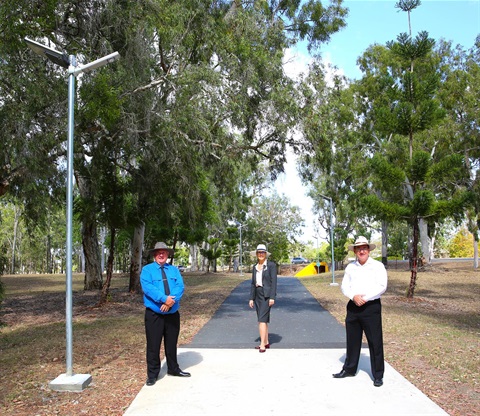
53	55
97	64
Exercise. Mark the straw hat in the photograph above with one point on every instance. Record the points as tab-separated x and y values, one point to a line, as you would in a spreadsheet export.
361	241
260	247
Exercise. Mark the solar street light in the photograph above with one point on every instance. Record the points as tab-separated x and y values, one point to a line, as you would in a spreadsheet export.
69	381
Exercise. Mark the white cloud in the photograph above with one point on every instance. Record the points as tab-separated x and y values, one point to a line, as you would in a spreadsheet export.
290	185
295	62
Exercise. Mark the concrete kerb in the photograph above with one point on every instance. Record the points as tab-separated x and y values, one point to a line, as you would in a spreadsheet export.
278	382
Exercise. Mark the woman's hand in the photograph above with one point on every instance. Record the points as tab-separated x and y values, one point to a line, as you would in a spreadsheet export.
271	302
250	303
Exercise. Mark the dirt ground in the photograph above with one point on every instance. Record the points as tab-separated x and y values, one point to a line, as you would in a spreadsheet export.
109	341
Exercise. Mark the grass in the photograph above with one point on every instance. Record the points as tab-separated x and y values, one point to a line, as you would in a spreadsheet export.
432	340
108	342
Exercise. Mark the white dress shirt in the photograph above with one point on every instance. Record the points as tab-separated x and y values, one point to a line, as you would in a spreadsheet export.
369	280
259	274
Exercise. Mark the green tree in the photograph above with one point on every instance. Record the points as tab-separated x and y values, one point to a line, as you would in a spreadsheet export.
231	244
412	108
274	222
212	253
461	244
333	161
198	96
459	96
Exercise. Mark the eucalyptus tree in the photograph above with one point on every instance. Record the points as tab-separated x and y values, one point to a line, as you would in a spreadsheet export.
333	160
199	83
460	94
275	222
32	105
219	99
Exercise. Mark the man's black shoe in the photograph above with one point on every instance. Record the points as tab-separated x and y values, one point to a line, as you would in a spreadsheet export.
378	382
179	373
343	374
151	381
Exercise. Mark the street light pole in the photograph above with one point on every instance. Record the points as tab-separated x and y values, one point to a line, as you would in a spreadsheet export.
69	300
318	254
69	381
331	239
240	248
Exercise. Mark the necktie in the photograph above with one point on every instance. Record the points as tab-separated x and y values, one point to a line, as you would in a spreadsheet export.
165	281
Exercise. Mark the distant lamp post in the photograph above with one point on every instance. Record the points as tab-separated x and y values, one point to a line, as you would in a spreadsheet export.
318	255
240	226
331	238
69	381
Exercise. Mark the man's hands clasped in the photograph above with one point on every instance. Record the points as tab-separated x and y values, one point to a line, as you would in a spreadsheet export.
168	304
358	300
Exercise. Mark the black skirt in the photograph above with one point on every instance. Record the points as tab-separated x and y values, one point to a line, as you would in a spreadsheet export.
261	305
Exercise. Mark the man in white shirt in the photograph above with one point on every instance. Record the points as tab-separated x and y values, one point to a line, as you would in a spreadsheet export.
365	280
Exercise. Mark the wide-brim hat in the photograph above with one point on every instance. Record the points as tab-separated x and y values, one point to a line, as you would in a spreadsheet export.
260	247
361	241
161	246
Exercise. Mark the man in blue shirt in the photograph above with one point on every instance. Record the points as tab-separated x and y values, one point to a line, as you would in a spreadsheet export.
163	288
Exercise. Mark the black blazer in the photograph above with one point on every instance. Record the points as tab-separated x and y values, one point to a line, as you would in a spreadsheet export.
269	281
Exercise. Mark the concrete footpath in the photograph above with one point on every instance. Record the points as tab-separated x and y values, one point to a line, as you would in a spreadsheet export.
294	376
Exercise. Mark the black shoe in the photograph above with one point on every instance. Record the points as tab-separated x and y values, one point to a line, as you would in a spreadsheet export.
378	382
343	374
179	373
151	381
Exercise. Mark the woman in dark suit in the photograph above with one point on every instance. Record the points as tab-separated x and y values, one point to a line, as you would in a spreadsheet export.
263	292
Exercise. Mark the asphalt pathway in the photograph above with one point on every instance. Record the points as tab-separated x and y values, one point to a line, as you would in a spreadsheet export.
293	377
297	321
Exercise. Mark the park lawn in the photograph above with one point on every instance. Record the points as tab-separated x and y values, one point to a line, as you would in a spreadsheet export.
432	340
108	342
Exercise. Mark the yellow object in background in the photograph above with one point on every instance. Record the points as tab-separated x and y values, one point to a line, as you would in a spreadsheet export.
312	269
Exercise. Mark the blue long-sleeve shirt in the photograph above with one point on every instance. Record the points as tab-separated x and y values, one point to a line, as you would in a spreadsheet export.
153	290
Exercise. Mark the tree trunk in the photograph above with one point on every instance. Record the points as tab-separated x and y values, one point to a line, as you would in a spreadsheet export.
136	259
14	243
413	278
385	243
194	257
475	253
49	254
108	279
425	240
103	233
93	273
174	245
204	262
82	260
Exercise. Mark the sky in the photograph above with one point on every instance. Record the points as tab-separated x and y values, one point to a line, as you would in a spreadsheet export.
370	22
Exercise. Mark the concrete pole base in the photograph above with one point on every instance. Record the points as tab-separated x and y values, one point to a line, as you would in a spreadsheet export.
75	382
333	284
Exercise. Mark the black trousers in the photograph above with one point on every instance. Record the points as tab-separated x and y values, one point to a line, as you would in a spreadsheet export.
158	326
364	319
